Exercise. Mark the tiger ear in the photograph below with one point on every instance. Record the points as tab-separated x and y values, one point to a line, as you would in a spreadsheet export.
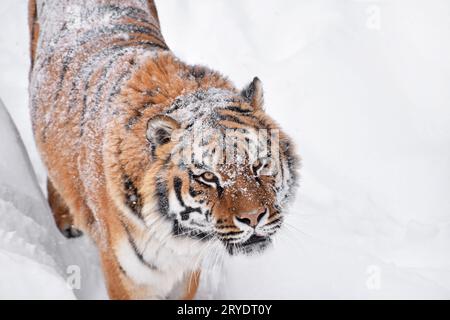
160	129
253	94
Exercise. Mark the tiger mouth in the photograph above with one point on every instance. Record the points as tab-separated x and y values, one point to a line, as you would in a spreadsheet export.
253	244
254	239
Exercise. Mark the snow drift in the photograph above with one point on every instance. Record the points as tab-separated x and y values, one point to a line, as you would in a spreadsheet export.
36	261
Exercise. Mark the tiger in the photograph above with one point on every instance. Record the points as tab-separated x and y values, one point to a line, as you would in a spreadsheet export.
151	157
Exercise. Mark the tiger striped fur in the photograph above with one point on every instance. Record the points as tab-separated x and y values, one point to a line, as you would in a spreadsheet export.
111	107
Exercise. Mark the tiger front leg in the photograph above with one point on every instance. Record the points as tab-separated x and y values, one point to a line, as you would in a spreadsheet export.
61	213
187	288
123	285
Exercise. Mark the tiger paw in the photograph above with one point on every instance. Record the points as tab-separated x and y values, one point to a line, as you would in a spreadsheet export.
71	232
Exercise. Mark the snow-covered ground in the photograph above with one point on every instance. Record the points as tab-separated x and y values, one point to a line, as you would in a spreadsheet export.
362	86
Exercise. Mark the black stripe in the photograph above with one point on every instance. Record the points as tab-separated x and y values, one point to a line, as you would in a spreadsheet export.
122	12
121	268
112	93
178	230
136	250
238	109
208	215
115	90
102	82
291	163
116	51
183	102
280	159
116	30
234	100
190	125
52	47
228	117
231	233
194	193
187	211
177	104
269	143
178	185
277	220
224	226
128	12
138	114
102	32
132	197
97	93
216	181
118	86
162	194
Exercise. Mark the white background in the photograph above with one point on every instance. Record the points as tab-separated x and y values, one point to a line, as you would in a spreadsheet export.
363	88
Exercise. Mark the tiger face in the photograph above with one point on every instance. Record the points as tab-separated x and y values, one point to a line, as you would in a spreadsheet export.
225	170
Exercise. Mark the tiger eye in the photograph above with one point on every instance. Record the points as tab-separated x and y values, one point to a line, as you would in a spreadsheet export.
209	176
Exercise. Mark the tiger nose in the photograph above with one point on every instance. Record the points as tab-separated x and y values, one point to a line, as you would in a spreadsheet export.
251	218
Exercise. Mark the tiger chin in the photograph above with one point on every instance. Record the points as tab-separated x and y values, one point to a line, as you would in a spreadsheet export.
163	164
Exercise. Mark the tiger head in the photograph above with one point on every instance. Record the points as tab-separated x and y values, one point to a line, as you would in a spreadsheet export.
224	169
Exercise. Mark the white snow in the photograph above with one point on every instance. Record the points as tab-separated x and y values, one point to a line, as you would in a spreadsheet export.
36	261
362	86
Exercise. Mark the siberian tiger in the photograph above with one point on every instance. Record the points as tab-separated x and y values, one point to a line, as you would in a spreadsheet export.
117	120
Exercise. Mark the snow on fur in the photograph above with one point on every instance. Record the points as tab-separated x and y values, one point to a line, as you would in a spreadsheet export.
368	107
